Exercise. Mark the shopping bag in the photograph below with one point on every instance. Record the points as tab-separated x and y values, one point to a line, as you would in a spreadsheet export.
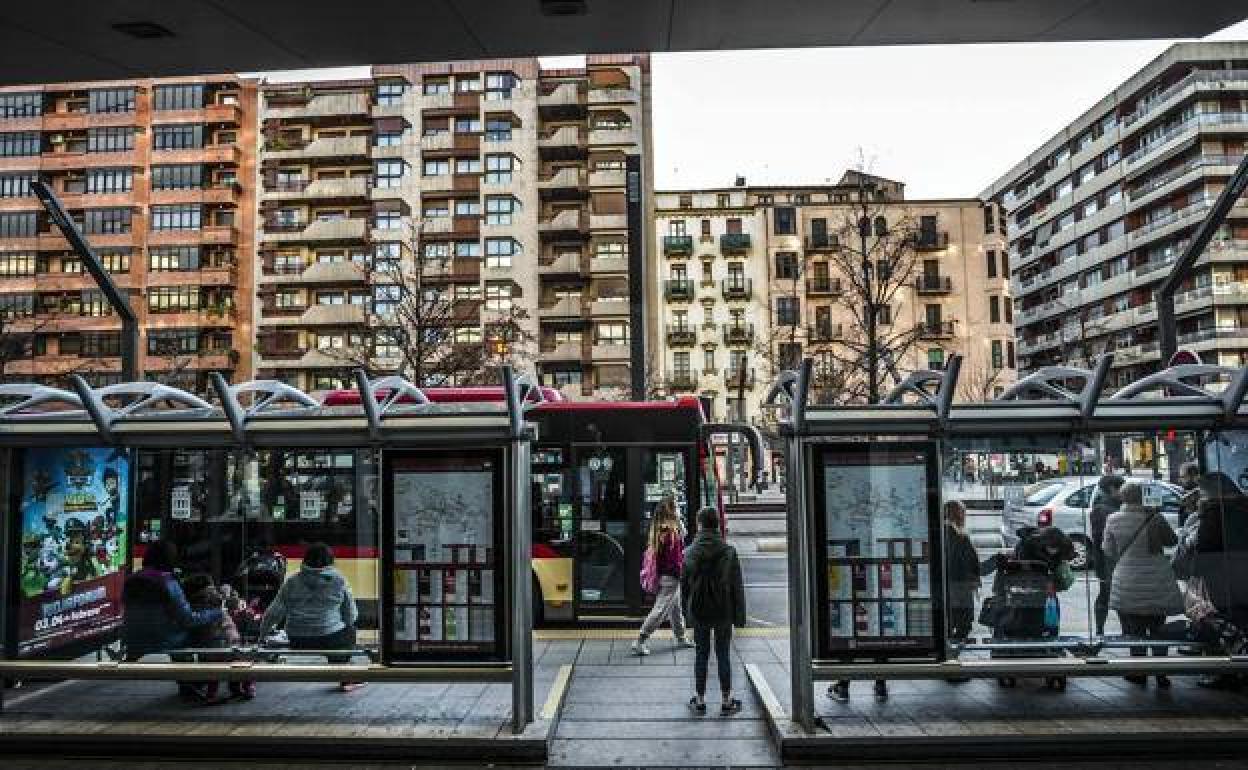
649	572
1052	614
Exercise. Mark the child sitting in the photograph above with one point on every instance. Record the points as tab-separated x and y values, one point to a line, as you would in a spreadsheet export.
203	594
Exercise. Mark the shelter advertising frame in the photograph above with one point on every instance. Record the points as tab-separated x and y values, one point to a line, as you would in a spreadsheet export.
1064	404
393	416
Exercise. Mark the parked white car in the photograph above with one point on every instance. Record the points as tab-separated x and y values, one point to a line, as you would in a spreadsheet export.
1066	502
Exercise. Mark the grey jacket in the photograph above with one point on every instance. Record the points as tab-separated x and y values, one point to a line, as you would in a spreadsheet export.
314	602
1143	580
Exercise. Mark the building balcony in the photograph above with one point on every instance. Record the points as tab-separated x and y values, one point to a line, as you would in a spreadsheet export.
734	243
65	160
565	179
678	289
737	288
933	284
565	137
826	332
613	96
562	307
225	193
683	380
614	136
608	264
294	107
354	187
677	245
344	148
562	95
822	242
735	377
611	351
605	307
563	263
607	178
567	221
608	221
739	334
681	335
931	241
228	154
827	287
562	351
449	183
319	230
455	270
936	330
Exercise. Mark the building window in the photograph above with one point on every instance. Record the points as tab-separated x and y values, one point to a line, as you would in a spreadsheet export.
990	259
1009	349
467	165
611	333
17	264
498	169
18	224
432	86
111	139
436	209
498	295
172	299
499	209
884	315
437	167
685	201
787	311
390	93
169	342
178	97
390	173
708	360
387	220
935	358
784	220
21	105
499	85
467	125
178	258
790	354
180	177
185	216
994	309
499	251
15	143
1009	310
990	220
723	200
468	84
609	249
998	362
109	180
467	208
102	221
177	137
16	185
786	265
497	130
389	139
110	100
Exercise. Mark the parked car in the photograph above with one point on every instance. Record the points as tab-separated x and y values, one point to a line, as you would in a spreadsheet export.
1066	502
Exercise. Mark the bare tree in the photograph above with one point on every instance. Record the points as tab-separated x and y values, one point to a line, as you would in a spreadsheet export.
418	326
978	381
17	343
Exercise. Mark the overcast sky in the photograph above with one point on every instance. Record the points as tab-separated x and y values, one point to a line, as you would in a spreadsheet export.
946	120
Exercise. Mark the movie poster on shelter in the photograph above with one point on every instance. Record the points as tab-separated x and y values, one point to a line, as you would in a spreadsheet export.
74	519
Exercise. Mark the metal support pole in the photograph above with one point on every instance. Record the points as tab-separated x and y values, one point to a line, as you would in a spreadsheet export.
521	548
801	675
117	299
7	549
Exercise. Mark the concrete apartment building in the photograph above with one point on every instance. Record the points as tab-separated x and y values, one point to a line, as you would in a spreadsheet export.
158	175
1098	213
774	295
529	188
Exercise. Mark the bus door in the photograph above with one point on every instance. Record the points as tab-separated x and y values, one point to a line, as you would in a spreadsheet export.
604	532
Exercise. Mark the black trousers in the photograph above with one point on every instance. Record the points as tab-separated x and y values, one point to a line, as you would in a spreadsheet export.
1101	607
1143	627
339	640
961	620
702	656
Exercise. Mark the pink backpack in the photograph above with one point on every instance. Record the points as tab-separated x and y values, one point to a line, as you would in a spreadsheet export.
649	572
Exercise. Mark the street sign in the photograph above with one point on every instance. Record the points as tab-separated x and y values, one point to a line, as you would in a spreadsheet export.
1184	357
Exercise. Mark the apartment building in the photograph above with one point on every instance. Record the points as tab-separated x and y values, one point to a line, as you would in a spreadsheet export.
751	284
1100	211
158	176
527	189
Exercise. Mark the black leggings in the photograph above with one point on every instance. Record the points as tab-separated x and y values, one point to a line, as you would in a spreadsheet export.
339	640
702	657
1143	627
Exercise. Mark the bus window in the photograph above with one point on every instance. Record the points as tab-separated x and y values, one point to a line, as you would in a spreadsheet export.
710	478
664	476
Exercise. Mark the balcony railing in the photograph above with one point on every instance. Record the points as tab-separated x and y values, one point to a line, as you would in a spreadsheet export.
681	335
823	287
735	377
826	332
683	379
822	242
678	289
931	241
739	334
678	245
734	243
930	330
933	284
737	288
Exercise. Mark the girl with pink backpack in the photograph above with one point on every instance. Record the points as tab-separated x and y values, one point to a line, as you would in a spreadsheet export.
661	566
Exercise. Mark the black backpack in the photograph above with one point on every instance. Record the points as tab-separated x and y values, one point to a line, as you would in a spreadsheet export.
711	587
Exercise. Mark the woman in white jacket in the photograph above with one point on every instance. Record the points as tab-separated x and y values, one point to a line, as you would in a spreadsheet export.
1144	590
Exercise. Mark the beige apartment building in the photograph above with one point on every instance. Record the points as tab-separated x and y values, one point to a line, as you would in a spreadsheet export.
528	190
159	177
781	292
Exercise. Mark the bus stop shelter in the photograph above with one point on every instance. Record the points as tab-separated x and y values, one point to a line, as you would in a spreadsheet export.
479	452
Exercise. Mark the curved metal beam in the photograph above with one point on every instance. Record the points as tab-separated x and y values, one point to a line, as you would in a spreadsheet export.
1172	379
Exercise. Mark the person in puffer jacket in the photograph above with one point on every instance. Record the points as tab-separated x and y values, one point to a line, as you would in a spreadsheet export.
316	607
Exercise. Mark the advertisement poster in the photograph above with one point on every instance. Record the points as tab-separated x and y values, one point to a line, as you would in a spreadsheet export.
877	523
443	556
74	517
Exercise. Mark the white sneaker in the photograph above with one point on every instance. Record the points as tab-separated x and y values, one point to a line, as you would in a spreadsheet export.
640	648
684	641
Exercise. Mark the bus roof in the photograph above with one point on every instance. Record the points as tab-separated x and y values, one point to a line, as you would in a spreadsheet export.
555	401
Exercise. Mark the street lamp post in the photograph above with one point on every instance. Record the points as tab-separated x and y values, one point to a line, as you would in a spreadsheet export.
873	353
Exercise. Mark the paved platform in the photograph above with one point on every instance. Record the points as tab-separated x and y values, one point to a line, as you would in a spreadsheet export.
937	720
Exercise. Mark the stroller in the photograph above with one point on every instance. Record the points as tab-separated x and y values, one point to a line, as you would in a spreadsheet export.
258	579
1025	603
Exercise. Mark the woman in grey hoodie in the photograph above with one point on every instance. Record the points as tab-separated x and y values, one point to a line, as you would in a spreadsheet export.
317	608
1143	590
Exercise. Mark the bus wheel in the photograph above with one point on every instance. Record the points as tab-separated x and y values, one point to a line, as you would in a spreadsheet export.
539	606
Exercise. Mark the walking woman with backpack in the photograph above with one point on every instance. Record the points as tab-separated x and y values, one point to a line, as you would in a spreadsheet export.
661	569
716	596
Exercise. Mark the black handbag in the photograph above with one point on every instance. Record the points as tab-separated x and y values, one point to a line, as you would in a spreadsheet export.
988	612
